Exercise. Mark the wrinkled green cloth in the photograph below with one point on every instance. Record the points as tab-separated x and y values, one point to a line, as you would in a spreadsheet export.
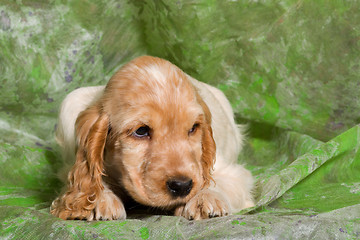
291	70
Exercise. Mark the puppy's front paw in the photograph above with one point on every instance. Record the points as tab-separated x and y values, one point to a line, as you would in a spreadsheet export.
205	204
109	207
106	207
62	209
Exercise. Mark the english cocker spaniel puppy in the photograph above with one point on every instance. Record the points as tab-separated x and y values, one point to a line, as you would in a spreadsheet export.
154	135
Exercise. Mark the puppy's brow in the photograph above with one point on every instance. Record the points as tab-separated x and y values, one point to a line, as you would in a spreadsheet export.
130	128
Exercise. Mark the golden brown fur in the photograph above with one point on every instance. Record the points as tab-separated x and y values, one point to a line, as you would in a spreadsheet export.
114	162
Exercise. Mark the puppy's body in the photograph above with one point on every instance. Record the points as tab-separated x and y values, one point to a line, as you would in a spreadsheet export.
152	94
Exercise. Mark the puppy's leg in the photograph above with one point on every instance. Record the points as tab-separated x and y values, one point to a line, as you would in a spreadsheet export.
235	184
230	194
205	204
107	206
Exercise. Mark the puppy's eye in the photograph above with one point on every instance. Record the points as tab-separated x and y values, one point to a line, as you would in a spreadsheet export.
143	131
193	129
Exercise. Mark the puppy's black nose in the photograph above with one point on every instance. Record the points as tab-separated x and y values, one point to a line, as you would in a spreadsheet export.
179	186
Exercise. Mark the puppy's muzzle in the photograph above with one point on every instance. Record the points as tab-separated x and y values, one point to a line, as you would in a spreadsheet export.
179	186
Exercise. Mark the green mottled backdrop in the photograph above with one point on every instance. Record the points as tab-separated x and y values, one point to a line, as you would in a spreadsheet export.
291	70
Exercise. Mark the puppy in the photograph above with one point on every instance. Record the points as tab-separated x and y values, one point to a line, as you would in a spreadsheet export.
154	135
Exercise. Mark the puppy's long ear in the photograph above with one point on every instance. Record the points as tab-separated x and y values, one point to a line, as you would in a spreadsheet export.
91	132
85	178
208	157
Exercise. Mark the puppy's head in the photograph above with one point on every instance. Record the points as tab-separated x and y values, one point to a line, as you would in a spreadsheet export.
159	146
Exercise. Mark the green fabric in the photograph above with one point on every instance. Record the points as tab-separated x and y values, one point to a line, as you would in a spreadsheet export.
291	70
